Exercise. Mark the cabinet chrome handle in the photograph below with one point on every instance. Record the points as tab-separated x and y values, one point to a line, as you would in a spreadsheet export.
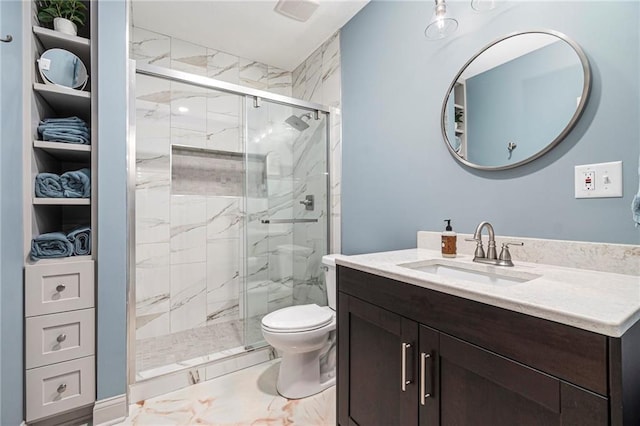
61	338
405	382
60	288
423	378
62	388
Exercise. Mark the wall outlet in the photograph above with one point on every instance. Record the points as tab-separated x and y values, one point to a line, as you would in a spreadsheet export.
601	180
588	181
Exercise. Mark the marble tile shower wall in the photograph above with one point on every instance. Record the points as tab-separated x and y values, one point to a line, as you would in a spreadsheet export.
310	239
317	79
189	249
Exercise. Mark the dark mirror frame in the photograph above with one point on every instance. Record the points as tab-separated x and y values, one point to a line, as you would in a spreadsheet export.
586	90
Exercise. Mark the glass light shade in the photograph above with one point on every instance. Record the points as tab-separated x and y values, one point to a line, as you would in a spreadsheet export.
483	5
441	28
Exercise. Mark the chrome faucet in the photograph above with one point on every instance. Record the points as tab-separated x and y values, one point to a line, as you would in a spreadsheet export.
479	256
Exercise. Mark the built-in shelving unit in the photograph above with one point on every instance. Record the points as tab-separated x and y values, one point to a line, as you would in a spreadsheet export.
65	101
55	101
59	291
459	103
54	39
62	201
65	151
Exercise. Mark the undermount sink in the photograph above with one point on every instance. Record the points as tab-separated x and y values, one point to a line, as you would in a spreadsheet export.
463	272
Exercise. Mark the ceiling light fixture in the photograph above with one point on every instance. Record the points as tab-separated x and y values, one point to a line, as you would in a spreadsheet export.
483	5
441	26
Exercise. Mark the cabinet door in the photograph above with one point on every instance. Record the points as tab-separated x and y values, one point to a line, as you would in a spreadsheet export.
376	366
478	387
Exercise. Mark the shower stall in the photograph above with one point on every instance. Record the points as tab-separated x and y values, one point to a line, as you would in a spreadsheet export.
228	216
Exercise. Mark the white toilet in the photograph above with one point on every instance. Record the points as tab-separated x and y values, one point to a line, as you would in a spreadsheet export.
301	335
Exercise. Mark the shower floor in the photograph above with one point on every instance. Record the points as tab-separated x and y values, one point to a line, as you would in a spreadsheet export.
176	348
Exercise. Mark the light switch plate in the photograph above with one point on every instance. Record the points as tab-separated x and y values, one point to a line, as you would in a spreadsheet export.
602	180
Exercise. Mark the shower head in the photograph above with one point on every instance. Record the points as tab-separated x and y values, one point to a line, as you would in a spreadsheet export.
297	122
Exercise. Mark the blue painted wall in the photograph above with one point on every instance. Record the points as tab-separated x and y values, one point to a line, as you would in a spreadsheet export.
112	207
528	100
398	176
2	105
11	262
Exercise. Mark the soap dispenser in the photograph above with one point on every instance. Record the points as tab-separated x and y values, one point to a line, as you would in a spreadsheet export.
449	241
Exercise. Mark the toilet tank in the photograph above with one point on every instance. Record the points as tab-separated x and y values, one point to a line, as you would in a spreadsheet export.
329	261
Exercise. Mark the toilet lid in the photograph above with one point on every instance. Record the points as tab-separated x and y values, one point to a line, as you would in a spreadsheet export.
298	318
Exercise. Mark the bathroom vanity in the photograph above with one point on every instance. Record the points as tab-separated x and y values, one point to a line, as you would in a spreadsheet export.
532	345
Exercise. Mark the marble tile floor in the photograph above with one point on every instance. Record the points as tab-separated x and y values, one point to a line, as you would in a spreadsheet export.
246	397
154	352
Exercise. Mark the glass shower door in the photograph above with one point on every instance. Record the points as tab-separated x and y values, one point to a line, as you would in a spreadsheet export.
189	191
286	211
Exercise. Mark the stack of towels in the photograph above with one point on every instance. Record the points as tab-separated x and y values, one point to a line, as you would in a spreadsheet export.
74	184
67	130
59	244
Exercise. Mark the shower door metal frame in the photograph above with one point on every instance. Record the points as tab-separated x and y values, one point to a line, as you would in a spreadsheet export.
208	83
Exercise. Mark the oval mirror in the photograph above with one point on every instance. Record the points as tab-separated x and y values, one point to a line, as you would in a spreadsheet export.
515	100
63	68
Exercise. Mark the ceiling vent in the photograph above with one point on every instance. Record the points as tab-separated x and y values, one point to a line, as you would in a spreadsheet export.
300	10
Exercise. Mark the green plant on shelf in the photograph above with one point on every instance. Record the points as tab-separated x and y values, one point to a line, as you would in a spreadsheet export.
459	116
73	10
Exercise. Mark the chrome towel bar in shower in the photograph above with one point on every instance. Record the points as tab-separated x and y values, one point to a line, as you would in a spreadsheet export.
288	220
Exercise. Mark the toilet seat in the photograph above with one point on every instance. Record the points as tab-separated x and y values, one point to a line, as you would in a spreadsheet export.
297	319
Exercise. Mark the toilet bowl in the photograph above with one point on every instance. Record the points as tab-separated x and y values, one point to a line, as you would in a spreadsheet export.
304	337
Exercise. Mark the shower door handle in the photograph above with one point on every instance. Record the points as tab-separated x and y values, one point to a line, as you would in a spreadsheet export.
288	221
7	39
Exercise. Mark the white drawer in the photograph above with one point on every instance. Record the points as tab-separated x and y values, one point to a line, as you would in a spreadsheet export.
60	387
59	287
59	337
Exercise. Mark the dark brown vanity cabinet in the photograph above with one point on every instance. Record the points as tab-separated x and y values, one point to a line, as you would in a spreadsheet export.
410	356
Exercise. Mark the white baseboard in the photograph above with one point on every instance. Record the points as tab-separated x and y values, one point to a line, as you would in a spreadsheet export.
110	410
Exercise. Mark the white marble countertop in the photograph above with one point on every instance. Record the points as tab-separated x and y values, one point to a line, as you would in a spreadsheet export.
602	302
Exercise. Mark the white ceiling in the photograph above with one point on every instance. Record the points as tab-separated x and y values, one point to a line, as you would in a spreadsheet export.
249	29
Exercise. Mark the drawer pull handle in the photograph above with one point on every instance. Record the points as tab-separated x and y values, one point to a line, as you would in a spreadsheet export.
60	288
405	382
62	388
61	338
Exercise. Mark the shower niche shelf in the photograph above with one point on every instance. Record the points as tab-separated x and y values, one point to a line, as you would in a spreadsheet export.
202	171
